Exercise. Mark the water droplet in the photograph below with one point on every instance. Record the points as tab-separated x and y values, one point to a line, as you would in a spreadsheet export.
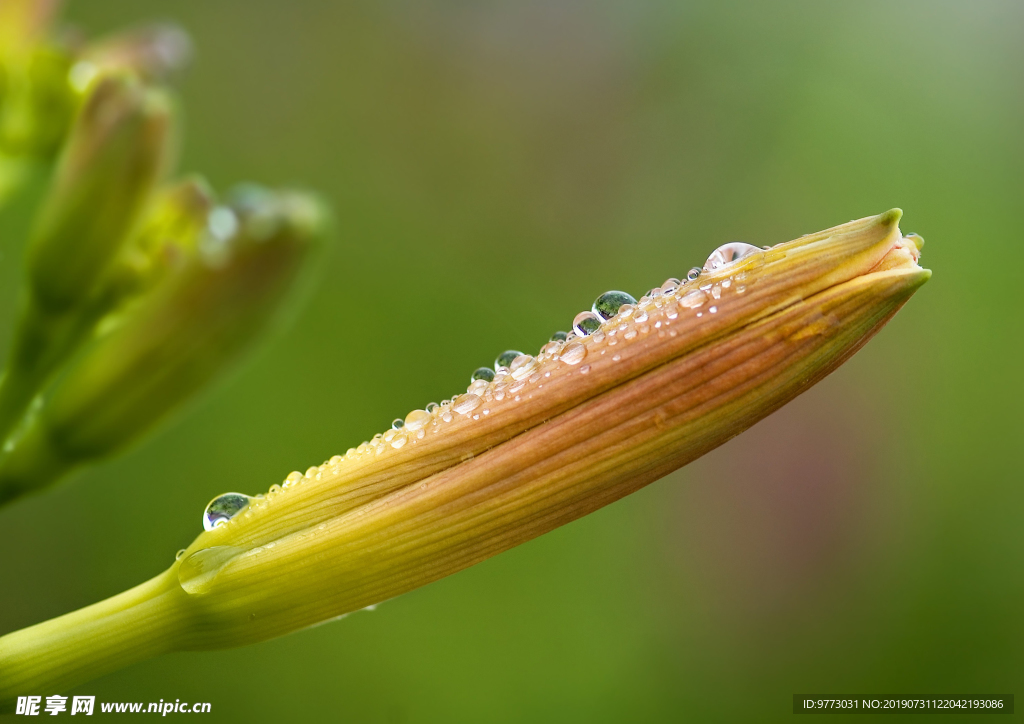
712	309
691	276
559	337
694	299
640	316
390	435
465	404
573	353
505	358
399	440
477	387
223	508
179	554
728	253
431	406
716	291
417	419
482	373
630	334
551	348
670	285
584	369
586	323
616	358
607	305
397	424
521	366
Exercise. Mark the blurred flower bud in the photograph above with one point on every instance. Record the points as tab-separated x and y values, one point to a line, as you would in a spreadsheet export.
176	219
180	335
116	151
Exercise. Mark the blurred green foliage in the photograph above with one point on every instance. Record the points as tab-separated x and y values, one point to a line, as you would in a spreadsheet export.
494	167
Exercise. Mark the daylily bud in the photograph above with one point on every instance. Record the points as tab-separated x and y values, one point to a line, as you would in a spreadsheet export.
214	298
112	161
550	438
175	221
115	154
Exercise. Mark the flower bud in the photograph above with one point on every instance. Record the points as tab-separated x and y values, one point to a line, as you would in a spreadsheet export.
652	387
114	156
170	343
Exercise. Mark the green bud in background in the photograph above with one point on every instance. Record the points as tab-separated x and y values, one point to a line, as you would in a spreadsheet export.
115	155
113	158
176	219
158	351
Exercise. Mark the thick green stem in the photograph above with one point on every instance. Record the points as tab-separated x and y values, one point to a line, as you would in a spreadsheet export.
138	624
42	341
31	464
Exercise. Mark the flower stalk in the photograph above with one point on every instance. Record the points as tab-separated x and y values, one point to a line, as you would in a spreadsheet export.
547	440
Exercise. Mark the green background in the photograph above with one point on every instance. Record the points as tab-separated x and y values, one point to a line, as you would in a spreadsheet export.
493	167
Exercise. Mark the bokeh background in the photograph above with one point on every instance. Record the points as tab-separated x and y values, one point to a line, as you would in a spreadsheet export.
493	167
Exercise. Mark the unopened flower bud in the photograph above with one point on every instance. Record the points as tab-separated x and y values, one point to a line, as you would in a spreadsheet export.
178	336
115	154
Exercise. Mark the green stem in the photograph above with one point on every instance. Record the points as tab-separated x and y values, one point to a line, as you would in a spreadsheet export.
56	655
42	342
32	463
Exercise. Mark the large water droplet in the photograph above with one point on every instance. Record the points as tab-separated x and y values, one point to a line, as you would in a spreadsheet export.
482	373
465	404
573	353
607	305
692	300
586	323
223	508
728	253
521	366
691	276
505	358
417	420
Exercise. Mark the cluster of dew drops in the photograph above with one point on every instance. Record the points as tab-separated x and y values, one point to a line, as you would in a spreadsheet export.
513	369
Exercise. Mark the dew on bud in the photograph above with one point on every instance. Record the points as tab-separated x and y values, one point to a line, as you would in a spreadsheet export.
465	404
482	373
417	420
505	359
607	305
728	253
223	508
573	353
586	323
